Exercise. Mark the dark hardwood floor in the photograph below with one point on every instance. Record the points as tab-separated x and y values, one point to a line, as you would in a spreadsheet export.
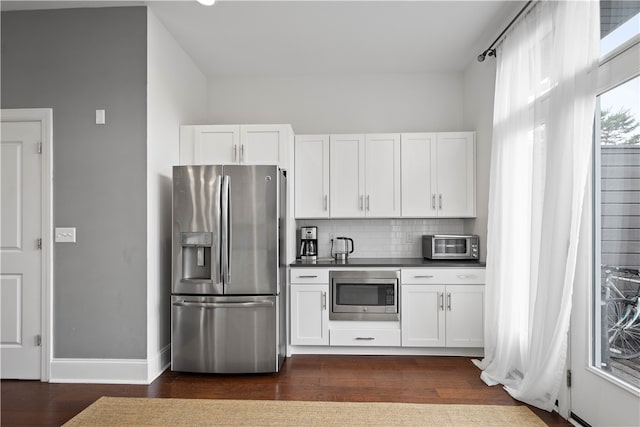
411	379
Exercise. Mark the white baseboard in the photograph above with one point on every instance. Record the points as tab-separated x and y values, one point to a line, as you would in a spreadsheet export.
159	363
110	371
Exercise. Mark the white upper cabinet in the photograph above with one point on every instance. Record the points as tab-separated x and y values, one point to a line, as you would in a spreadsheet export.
235	144
364	175
346	160
456	174
382	175
418	200
312	176
438	174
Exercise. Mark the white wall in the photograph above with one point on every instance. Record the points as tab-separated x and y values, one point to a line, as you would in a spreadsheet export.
176	94
381	238
479	88
341	103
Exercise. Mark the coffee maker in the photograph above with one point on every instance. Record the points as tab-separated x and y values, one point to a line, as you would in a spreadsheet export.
309	243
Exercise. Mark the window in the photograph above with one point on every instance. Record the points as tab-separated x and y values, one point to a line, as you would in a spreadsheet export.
617	311
619	22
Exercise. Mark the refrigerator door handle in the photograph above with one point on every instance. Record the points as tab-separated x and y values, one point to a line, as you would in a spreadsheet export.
226	229
208	305
218	219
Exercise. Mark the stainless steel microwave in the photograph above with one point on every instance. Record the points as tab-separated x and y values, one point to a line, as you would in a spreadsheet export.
450	246
364	295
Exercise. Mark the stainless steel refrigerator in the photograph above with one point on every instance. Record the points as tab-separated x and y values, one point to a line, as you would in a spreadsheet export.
227	302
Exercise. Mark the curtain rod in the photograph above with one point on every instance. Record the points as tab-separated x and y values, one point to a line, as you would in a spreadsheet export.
492	52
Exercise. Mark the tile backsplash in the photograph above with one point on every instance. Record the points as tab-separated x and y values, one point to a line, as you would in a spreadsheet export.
380	238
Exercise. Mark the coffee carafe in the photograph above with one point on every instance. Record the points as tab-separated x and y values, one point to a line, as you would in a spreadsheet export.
340	248
309	243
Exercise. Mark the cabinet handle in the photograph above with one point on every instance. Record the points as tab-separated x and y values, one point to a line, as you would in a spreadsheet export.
241	153
365	338
428	276
465	276
310	276
368	203
441	300
326	202
235	153
449	301
440	201
433	201
324	300
361	202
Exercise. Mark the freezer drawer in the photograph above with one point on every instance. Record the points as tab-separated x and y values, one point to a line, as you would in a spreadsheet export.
224	334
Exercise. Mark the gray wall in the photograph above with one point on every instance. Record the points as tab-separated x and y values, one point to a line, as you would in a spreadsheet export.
76	61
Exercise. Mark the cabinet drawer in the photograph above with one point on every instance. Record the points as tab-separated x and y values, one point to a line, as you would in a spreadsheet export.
442	276
309	275
365	337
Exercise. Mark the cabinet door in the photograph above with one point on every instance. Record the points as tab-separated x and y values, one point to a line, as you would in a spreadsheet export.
260	144
382	175
309	314
216	144
418	192
455	174
312	176
423	315
465	315
346	163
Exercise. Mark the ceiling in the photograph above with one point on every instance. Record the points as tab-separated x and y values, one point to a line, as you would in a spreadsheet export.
279	38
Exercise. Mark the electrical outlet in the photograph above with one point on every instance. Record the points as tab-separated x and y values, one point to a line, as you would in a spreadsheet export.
409	238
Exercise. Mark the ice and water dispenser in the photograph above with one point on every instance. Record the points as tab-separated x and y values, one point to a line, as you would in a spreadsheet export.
196	255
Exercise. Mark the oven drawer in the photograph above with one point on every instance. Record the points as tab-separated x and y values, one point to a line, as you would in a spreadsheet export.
309	275
443	276
365	337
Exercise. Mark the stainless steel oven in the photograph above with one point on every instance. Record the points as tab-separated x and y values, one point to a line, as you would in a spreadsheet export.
364	295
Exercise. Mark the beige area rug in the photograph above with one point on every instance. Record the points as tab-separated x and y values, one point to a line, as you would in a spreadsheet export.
129	411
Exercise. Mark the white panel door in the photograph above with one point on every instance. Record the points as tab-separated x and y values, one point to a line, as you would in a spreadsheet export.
309	315
20	257
312	176
214	145
418	191
382	175
454	173
260	144
346	164
465	315
423	315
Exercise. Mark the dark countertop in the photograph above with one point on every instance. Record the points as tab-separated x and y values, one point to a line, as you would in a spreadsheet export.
387	262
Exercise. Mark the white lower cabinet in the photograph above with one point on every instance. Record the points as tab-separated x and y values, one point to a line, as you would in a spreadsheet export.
439	308
442	315
309	314
365	337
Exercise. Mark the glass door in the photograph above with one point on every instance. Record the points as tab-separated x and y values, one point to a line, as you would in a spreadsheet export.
605	323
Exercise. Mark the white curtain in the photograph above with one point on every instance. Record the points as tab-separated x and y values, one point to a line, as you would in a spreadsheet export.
542	135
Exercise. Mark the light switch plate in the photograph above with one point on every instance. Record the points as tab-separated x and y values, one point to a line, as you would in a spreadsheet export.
100	117
65	234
